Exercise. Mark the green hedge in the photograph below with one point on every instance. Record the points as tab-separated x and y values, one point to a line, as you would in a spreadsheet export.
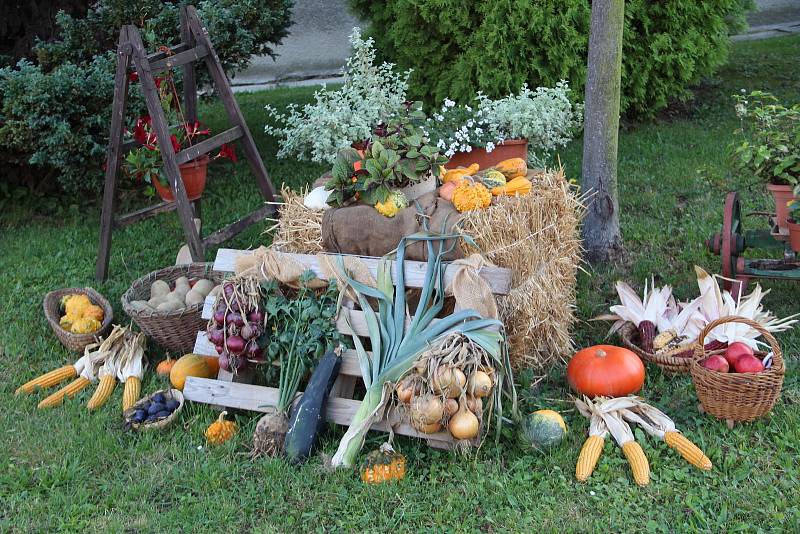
459	48
54	113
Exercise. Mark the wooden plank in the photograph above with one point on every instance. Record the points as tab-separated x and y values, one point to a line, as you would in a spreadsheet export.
189	80
498	278
181	58
207	145
144	213
261	399
177	49
223	234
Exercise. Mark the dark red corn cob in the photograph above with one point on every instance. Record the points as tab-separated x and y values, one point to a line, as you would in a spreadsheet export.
647	333
714	345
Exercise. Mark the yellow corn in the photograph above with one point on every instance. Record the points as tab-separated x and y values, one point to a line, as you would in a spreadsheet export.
587	460
638	462
103	392
690	452
70	390
133	387
46	380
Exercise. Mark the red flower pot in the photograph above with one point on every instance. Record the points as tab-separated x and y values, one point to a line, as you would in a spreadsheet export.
794	235
193	175
782	194
510	148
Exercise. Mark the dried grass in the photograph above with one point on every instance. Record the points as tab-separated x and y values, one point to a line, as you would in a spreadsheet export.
297	228
538	237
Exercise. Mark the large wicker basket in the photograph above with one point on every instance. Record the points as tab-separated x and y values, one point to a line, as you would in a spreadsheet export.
737	396
52	311
177	330
675	361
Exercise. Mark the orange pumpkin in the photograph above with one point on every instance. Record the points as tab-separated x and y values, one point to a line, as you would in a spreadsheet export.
605	370
165	366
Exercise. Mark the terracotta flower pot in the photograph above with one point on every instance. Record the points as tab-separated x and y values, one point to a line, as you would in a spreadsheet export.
794	235
782	194
510	148
193	175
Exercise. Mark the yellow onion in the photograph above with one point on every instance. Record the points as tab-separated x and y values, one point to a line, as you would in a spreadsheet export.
475	404
429	429
449	381
450	407
464	424
406	389
480	384
426	409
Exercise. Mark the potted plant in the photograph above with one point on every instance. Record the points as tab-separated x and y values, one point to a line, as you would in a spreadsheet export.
770	146
396	165
528	125
793	223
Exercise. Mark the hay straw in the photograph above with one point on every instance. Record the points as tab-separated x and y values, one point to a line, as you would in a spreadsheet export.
297	228
537	236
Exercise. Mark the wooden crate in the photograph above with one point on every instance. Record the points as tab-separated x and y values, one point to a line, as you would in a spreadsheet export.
235	391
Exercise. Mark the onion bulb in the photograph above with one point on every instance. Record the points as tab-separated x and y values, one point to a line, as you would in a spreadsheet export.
426	409
464	424
429	429
450	407
475	404
449	381
406	389
480	384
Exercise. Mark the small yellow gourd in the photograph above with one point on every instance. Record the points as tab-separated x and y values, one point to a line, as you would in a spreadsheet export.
455	175
85	325
516	187
94	311
394	203
471	196
75	305
220	430
512	168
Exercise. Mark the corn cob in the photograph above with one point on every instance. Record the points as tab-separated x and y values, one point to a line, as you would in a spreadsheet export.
103	392
690	452
72	389
587	460
638	461
133	387
56	376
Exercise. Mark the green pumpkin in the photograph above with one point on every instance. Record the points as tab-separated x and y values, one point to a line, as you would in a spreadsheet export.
542	430
493	179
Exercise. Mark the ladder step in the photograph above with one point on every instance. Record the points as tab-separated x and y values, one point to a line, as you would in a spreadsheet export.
182	58
207	145
144	213
223	234
177	49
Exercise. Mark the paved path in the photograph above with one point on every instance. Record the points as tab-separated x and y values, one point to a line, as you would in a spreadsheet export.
317	48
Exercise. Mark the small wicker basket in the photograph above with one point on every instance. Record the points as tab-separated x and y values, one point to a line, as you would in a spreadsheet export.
177	330
156	425
737	396
675	361
52	311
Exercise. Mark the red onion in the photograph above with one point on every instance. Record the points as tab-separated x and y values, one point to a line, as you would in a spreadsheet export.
248	331
234	319
224	361
217	336
228	288
219	348
255	317
235	344
252	347
219	316
239	362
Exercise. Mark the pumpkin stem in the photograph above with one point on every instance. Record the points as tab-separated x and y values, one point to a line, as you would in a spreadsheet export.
222	415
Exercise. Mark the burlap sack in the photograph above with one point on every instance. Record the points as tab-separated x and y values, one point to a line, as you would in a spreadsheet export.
360	230
470	290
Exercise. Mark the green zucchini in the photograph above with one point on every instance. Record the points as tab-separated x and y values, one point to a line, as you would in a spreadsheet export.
308	414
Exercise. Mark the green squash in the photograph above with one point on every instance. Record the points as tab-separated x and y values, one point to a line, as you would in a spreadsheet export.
493	178
542	430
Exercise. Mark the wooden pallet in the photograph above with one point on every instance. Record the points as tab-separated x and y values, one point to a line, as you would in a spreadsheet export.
234	391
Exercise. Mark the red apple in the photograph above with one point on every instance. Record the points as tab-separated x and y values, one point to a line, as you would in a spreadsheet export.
748	364
716	363
736	351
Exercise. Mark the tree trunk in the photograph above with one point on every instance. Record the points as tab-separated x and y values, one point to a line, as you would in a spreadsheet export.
601	235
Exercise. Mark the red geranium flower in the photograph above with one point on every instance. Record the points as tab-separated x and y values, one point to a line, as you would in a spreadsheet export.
133	76
176	146
227	151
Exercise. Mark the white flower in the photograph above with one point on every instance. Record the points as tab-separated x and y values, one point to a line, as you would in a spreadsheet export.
449	103
439	117
489	146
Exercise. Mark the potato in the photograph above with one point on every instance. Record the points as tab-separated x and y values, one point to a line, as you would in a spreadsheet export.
159	288
180	291
155	301
168	306
141	305
182	281
203	286
194	297
177	297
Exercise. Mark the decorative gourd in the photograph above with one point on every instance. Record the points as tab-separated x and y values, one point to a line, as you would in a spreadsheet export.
446	191
515	187
75	305
383	465
95	312
165	366
85	325
542	429
471	196
512	168
66	321
193	365
220	430
395	202
605	370
455	175
493	179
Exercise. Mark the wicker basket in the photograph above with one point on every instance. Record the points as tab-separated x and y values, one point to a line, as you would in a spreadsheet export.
52	311
176	330
737	396
156	425
675	361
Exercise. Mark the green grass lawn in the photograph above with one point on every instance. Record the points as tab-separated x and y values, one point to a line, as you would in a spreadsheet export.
68	470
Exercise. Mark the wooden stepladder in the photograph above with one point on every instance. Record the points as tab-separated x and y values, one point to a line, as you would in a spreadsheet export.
195	46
